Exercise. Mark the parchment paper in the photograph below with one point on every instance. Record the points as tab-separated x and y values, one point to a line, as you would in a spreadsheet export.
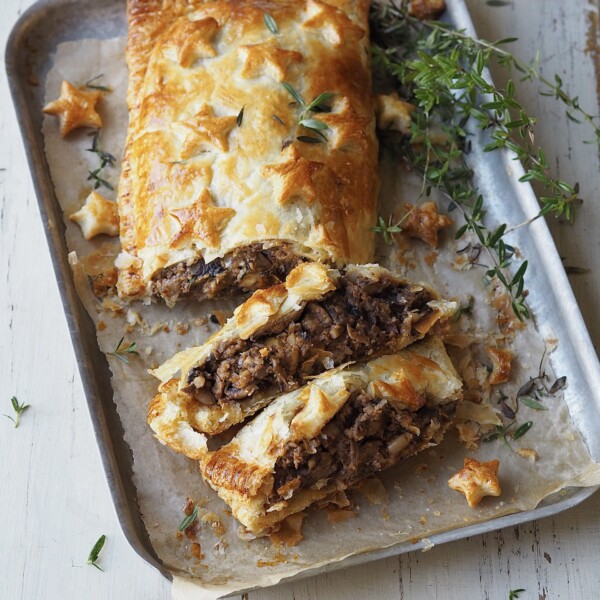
420	502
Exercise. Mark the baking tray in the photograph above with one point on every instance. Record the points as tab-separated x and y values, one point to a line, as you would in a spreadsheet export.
29	56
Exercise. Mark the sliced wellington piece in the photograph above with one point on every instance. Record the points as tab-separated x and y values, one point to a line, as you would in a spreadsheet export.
251	144
281	337
339	429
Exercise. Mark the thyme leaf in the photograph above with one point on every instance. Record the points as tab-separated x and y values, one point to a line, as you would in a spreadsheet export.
317	105
532	403
19	410
90	84
95	552
522	430
271	24
187	521
514	594
106	160
121	351
240	117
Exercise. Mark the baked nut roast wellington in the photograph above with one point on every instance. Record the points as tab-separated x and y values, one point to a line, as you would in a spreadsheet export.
250	148
251	165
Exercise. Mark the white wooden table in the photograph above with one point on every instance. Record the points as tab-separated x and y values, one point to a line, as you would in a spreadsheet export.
54	500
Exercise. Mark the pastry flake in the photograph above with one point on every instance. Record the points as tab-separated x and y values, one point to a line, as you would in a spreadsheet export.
476	480
75	108
501	360
98	215
393	113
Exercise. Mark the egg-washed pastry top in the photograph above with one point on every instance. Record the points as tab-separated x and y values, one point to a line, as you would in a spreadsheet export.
336	431
251	144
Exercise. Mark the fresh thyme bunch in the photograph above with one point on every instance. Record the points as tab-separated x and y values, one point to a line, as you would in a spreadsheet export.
443	73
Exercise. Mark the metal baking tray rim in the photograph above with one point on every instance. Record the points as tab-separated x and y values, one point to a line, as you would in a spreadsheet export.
115	455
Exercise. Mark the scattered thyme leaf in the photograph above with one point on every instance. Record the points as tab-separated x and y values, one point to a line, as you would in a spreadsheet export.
309	140
467	309
120	351
514	594
558	385
532	403
571	270
278	119
271	24
187	522
106	160
498	3
240	117
522	430
94	86
19	410
95	552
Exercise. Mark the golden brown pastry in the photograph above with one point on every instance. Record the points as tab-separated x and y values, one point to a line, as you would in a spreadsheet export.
223	188
341	428
281	337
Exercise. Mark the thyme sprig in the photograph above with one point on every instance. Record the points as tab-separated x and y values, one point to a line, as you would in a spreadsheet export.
388	229
106	160
514	594
319	104
189	520
19	410
121	351
95	552
442	72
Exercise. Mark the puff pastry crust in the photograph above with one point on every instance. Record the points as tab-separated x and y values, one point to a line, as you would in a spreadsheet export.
292	454
201	182
191	402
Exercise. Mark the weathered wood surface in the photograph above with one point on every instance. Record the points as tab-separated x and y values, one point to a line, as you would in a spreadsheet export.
54	500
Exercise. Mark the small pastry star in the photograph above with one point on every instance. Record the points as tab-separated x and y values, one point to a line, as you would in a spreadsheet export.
334	23
293	177
75	108
205	132
476	480
98	215
424	222
347	124
193	40
393	113
267	59
201	221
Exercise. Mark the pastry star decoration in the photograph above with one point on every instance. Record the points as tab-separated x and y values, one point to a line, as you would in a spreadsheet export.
267	59
335	25
98	215
193	40
424	222
201	221
205	131
294	177
75	108
347	124
476	480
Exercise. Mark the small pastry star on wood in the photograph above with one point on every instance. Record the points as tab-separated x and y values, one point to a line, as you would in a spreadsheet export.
205	131
333	23
476	480
293	177
347	125
267	59
424	222
201	221
75	108
193	40
98	215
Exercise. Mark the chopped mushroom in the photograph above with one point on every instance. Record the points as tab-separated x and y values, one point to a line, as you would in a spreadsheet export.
476	480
